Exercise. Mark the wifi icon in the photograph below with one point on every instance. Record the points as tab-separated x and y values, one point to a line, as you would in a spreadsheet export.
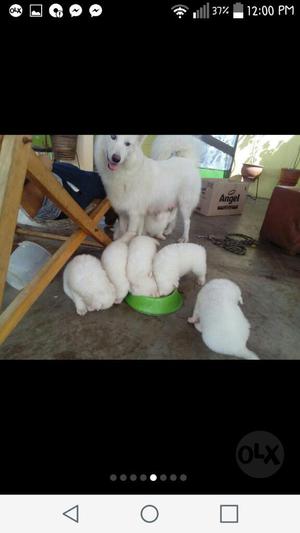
180	10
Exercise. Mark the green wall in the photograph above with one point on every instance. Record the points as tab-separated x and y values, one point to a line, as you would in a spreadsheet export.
148	143
273	152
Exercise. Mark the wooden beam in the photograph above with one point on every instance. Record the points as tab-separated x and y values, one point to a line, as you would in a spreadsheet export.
14	156
12	315
219	145
44	179
54	237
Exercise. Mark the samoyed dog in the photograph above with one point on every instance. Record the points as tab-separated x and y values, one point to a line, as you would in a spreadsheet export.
114	261
166	146
141	251
218	317
175	261
86	283
138	185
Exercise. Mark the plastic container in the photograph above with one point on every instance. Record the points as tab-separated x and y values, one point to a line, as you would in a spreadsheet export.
24	263
147	305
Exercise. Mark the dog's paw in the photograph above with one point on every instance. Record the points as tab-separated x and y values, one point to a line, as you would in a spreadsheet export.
194	320
118	301
182	239
161	237
81	311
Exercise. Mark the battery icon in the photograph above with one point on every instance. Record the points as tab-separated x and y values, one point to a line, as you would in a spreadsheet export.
238	11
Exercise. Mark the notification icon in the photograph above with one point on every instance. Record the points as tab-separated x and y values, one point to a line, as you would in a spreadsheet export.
56	11
15	10
95	10
75	10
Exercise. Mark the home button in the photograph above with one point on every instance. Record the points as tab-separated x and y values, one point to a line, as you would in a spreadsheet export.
149	514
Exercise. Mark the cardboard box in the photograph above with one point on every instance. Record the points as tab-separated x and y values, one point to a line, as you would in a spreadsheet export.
222	197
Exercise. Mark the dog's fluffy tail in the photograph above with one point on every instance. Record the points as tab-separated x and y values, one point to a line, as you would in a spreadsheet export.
166	146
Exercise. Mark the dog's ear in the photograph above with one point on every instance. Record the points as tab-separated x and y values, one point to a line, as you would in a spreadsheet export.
141	138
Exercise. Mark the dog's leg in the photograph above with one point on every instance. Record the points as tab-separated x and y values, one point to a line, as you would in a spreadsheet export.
195	319
141	226
186	212
186	230
81	308
123	224
201	280
171	226
135	222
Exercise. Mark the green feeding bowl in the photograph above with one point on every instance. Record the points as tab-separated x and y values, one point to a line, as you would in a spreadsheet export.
164	305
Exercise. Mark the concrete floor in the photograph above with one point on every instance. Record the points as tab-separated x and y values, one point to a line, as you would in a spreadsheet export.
270	283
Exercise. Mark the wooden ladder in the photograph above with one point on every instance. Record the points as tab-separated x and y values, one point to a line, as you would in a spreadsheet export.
17	161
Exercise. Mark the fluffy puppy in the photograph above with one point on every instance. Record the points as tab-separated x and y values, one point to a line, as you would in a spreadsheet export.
86	283
218	317
156	225
161	225
175	261
141	251
114	261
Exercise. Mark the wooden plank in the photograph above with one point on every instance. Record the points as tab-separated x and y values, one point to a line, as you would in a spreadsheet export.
55	237
12	315
45	180
219	145
13	164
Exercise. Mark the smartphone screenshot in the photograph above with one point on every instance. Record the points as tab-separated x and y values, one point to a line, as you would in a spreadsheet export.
149	278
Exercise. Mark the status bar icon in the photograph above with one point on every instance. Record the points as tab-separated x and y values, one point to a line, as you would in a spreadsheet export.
202	12
238	10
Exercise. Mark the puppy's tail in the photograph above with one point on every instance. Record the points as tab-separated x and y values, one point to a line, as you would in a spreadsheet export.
248	354
166	146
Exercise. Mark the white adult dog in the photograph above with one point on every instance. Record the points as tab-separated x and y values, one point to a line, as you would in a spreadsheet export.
218	317
86	283
114	261
175	261
137	185
166	146
141	251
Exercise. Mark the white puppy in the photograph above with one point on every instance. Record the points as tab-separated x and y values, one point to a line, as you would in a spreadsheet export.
162	224
141	251
87	284
175	261
218	317
114	261
157	226
138	186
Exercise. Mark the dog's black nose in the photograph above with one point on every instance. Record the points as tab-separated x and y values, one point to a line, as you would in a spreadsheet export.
116	158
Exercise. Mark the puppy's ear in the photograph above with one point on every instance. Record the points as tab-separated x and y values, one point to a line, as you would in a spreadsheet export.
141	138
